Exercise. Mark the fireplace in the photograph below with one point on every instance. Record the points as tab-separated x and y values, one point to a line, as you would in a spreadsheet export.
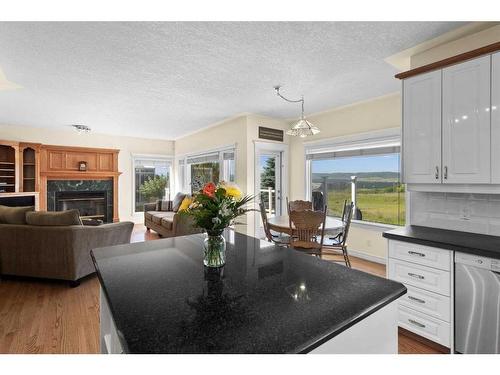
90	204
92	198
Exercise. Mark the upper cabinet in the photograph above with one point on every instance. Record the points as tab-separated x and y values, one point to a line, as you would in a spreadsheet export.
466	122
422	128
451	125
495	118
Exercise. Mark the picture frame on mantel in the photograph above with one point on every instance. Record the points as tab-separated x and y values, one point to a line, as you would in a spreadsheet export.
82	166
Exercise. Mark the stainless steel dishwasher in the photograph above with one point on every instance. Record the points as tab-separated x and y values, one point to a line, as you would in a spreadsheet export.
477	304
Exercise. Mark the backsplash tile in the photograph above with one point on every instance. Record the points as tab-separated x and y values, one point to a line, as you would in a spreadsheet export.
473	213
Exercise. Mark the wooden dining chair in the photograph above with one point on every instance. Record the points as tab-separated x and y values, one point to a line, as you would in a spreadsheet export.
308	226
339	242
278	239
299	205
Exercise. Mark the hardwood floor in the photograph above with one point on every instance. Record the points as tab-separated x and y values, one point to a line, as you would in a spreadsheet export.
49	317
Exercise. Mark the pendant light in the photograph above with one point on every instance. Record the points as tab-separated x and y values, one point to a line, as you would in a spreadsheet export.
302	128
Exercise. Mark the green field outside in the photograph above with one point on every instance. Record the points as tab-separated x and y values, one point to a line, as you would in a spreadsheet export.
376	205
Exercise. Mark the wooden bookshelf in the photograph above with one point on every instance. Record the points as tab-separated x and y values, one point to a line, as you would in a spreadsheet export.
30	170
8	167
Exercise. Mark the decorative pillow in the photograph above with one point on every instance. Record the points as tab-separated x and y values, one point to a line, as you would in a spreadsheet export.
164	206
57	218
14	215
185	203
176	202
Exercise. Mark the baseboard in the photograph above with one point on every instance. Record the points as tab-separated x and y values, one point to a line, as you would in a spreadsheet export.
371	258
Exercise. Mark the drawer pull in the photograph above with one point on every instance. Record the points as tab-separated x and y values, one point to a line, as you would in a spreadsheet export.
415	323
420	277
416	253
416	299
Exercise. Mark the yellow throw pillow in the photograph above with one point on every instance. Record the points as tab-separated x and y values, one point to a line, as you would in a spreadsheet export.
185	204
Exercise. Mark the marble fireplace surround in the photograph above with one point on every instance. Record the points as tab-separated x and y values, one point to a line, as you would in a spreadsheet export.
54	186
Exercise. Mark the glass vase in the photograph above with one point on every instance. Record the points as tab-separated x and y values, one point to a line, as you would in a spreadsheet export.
214	251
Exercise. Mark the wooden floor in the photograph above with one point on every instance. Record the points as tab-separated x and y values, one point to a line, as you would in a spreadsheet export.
50	317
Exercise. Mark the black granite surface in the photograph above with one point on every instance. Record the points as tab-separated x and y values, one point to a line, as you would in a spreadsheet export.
266	299
478	244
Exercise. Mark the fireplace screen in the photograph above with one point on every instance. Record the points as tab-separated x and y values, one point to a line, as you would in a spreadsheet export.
90	204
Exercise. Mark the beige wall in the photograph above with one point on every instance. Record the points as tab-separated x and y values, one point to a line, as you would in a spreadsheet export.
126	145
465	44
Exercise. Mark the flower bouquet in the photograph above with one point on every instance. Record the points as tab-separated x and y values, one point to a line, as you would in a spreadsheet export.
213	209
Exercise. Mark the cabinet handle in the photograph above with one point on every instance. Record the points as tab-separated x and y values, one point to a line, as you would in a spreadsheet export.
416	299
420	277
445	172
437	173
415	323
416	253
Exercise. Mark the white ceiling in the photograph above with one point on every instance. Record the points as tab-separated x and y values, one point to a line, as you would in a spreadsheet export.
167	79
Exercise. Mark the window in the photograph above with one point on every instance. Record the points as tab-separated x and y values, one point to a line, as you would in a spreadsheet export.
151	180
370	177
196	171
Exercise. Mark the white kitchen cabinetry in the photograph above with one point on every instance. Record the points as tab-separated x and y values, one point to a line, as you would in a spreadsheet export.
427	272
466	122
422	128
495	118
448	135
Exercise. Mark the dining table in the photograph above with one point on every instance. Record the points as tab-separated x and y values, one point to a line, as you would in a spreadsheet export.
281	224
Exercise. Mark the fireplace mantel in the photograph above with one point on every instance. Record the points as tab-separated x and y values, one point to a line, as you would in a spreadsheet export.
62	163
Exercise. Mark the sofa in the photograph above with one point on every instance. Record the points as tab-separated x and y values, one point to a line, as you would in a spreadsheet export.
165	219
47	246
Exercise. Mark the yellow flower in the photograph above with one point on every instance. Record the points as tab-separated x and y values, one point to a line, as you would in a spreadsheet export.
232	191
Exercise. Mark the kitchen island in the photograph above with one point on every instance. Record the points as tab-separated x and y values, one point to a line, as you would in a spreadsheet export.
157	297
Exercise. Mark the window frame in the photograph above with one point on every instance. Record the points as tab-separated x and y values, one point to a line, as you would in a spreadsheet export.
362	141
183	173
153	157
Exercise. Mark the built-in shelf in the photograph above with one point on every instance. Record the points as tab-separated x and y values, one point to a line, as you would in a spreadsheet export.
7	162
7	170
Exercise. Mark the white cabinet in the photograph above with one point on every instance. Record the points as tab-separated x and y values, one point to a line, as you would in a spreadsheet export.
422	128
495	118
451	124
427	272
466	122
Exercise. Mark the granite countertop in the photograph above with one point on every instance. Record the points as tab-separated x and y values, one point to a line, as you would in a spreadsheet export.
478	244
266	299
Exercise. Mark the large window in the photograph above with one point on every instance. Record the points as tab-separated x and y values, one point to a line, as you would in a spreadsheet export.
196	171
368	177
151	180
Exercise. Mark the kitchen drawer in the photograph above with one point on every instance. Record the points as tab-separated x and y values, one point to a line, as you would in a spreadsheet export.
426	302
419	276
420	254
434	329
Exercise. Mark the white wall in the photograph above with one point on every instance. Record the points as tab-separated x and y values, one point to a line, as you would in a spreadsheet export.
126	145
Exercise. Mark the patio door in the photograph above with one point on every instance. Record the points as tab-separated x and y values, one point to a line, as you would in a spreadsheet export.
270	177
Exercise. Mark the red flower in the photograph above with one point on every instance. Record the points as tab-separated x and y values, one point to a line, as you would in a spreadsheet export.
209	189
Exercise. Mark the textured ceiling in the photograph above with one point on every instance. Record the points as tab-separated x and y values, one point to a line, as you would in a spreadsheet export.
167	79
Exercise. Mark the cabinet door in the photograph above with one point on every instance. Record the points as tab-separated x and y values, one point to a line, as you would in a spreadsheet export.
422	128
466	122
495	118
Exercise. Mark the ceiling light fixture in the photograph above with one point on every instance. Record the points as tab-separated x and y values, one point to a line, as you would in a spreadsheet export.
303	128
81	128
